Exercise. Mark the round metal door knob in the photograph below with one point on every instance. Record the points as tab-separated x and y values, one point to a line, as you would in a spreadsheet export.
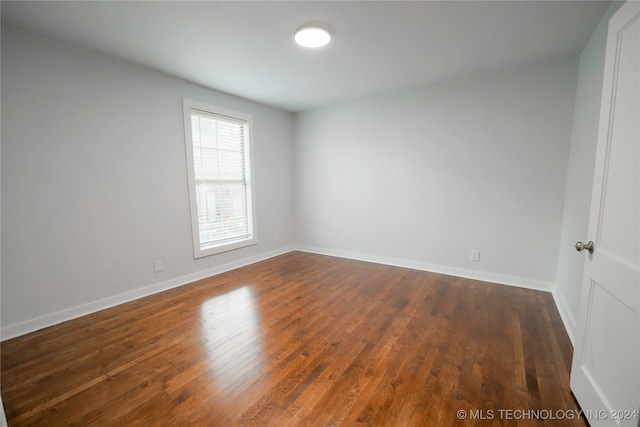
582	246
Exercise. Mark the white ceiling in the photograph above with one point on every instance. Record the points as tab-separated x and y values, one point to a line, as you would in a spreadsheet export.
246	48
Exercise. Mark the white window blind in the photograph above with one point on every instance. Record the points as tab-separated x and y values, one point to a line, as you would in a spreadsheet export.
218	152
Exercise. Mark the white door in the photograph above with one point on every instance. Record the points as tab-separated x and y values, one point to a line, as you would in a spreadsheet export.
605	376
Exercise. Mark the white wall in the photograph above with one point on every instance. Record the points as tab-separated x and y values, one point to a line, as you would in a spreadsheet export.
580	173
94	178
94	185
420	178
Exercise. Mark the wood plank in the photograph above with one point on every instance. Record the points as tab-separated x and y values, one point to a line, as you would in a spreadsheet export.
298	340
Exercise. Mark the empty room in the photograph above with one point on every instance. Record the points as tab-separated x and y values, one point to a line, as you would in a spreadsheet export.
320	213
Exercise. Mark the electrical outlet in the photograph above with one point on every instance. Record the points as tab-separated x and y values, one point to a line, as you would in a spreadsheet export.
475	255
344	240
157	266
276	237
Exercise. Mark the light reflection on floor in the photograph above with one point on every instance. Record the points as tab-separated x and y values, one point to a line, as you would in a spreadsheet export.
230	326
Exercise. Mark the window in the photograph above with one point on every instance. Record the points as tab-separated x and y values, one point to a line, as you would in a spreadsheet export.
220	184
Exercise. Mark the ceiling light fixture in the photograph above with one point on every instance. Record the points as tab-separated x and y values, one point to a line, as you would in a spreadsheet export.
312	35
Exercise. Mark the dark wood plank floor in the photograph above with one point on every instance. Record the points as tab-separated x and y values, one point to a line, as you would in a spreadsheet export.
302	340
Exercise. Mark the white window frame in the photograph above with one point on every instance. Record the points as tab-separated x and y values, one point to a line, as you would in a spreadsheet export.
199	249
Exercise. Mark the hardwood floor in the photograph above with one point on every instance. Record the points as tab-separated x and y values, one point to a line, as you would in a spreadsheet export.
302	340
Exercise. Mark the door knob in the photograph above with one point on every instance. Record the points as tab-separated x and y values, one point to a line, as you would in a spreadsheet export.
582	246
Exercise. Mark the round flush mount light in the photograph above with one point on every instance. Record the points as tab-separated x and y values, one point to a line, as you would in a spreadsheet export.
312	35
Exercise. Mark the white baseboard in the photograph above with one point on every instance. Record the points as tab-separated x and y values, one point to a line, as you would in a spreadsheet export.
501	279
75	312
570	324
92	307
